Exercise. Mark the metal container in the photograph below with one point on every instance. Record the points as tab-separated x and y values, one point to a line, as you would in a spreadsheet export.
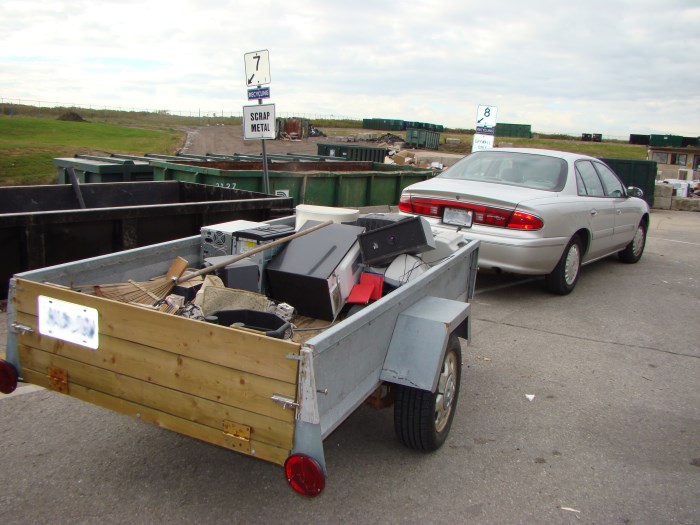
422	138
344	184
353	152
44	225
90	168
639	173
669	141
513	130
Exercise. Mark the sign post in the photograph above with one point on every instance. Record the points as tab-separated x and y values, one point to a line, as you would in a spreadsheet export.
259	121
485	128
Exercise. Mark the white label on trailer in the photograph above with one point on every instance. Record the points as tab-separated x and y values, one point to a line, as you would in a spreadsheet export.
68	322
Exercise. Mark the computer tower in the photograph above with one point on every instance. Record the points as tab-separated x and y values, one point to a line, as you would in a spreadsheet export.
242	275
218	239
315	273
249	239
412	235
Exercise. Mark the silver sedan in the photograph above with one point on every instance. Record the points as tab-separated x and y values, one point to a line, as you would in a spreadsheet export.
536	212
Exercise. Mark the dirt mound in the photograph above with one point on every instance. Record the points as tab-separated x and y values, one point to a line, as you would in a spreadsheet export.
71	116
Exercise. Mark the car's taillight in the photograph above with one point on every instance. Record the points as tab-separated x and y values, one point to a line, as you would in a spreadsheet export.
525	221
8	377
486	215
304	474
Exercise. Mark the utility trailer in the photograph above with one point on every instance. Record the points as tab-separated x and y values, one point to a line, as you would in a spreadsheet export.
269	398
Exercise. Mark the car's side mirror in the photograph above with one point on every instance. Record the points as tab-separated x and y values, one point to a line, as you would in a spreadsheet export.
633	191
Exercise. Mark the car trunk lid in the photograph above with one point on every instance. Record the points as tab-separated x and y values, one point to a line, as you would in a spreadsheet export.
486	193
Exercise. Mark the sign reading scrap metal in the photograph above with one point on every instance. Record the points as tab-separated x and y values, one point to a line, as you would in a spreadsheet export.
485	128
259	122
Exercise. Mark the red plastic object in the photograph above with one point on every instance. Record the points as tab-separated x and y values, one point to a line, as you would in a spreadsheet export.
360	294
8	377
377	282
304	474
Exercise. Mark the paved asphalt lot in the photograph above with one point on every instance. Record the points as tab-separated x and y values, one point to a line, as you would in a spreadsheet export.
612	435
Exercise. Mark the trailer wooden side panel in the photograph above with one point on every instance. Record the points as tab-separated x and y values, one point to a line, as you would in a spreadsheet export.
206	381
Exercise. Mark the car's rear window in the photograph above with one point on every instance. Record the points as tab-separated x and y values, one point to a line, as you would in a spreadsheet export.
514	169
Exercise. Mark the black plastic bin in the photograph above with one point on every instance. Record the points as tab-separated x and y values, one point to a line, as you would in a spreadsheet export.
268	323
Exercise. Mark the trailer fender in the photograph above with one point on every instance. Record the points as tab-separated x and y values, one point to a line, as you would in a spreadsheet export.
307	428
419	340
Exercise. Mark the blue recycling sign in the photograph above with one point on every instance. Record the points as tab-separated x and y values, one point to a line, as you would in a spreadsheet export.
258	93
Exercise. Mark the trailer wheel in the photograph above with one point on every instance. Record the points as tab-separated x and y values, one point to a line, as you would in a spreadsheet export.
423	419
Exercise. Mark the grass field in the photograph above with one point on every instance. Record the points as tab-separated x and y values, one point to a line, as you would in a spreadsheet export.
28	145
30	137
612	149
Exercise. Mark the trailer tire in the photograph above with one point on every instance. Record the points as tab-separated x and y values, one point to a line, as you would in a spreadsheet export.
422	419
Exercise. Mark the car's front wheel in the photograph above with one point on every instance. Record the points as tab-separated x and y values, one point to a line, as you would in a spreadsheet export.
563	278
634	250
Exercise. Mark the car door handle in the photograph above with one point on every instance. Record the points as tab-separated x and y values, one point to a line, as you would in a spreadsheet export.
594	212
619	212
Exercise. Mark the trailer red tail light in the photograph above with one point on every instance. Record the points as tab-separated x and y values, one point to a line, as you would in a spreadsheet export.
486	215
8	377
304	474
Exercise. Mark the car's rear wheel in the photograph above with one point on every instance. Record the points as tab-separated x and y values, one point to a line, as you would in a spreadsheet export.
634	250
564	277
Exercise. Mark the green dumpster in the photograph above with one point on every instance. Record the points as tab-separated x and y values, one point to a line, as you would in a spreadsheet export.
667	141
353	152
102	169
422	138
639	173
345	184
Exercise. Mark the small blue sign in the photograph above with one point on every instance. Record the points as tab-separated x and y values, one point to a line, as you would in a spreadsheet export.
485	130
258	93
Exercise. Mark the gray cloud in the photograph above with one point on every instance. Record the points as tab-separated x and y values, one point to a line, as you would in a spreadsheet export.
614	67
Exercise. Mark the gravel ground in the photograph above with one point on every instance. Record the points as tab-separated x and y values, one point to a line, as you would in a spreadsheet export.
229	139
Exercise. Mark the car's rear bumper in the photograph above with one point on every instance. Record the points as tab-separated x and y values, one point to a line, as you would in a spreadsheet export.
516	252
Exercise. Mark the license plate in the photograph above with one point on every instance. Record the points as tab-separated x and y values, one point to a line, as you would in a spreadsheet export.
458	217
68	322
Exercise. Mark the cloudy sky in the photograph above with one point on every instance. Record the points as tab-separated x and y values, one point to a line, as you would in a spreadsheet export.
597	66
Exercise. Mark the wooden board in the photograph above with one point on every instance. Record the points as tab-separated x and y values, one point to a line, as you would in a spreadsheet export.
244	351
198	378
192	377
188	428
